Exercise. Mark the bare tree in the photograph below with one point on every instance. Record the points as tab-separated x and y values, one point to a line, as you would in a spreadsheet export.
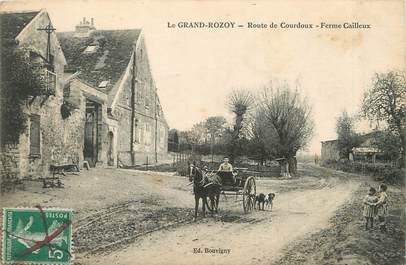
239	102
287	124
260	135
215	128
386	101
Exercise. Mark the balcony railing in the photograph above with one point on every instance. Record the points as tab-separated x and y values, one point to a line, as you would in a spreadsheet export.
50	81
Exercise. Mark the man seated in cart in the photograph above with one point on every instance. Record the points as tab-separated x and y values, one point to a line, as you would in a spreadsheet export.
226	171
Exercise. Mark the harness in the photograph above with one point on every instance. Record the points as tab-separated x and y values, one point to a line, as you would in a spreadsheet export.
204	182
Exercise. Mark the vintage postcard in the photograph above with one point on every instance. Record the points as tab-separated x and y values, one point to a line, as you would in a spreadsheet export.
202	132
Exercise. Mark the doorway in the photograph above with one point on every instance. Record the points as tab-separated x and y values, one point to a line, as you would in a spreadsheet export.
110	152
91	147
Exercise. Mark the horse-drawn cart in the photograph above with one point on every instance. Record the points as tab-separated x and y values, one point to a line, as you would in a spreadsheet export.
211	184
239	185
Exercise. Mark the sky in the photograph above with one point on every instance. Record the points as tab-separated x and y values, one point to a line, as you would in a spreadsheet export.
195	69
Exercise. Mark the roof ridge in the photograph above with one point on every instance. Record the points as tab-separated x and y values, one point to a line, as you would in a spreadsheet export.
118	29
104	30
21	11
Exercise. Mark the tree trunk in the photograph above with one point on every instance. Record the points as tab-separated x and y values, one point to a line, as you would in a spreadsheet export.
281	167
402	163
284	168
292	165
287	170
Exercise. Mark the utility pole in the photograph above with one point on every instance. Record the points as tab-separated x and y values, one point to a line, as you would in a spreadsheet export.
133	80
48	29
211	148
156	125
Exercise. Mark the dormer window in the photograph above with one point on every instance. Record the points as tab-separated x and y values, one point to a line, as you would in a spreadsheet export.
90	49
103	84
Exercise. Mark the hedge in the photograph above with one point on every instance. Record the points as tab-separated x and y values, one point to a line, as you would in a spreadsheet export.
382	172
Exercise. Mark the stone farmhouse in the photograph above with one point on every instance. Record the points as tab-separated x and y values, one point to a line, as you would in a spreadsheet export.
366	151
104	80
330	151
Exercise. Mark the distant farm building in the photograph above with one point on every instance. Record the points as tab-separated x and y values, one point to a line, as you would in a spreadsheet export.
366	151
330	151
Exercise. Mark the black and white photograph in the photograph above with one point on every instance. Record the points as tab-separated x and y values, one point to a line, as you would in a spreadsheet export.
202	132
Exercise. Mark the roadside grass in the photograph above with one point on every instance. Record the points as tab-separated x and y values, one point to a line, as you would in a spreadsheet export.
346	241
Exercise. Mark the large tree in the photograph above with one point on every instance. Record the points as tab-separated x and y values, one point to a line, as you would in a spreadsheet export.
347	137
286	123
239	102
389	143
215	127
386	101
195	136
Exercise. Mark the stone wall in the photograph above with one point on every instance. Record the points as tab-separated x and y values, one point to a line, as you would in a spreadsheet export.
9	160
149	119
61	140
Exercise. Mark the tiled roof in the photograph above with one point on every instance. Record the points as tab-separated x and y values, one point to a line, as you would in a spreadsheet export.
11	24
362	150
106	61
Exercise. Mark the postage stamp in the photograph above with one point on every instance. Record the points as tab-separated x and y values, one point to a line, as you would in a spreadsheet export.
37	236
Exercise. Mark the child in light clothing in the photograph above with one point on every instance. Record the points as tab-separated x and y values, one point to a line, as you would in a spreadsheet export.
382	207
369	212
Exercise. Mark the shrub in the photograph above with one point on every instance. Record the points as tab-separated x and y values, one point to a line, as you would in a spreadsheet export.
20	81
66	109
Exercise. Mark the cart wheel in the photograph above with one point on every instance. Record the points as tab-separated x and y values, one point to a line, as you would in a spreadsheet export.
249	194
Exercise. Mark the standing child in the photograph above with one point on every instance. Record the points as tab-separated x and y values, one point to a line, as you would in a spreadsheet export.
369	207
382	207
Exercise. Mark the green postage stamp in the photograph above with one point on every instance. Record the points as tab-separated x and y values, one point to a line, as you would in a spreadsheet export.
37	236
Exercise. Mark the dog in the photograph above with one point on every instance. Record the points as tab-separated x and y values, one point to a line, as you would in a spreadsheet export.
269	200
260	200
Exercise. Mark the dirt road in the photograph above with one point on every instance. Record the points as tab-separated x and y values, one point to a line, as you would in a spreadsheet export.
134	217
232	237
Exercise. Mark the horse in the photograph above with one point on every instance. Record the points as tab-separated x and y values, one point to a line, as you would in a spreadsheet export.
202	189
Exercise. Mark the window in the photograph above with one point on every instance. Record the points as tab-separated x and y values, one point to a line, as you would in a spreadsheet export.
35	135
103	84
90	49
143	134
138	131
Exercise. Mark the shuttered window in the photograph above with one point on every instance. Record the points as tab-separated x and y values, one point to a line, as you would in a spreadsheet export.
35	135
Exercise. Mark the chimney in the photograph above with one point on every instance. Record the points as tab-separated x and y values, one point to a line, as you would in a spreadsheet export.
92	21
84	20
